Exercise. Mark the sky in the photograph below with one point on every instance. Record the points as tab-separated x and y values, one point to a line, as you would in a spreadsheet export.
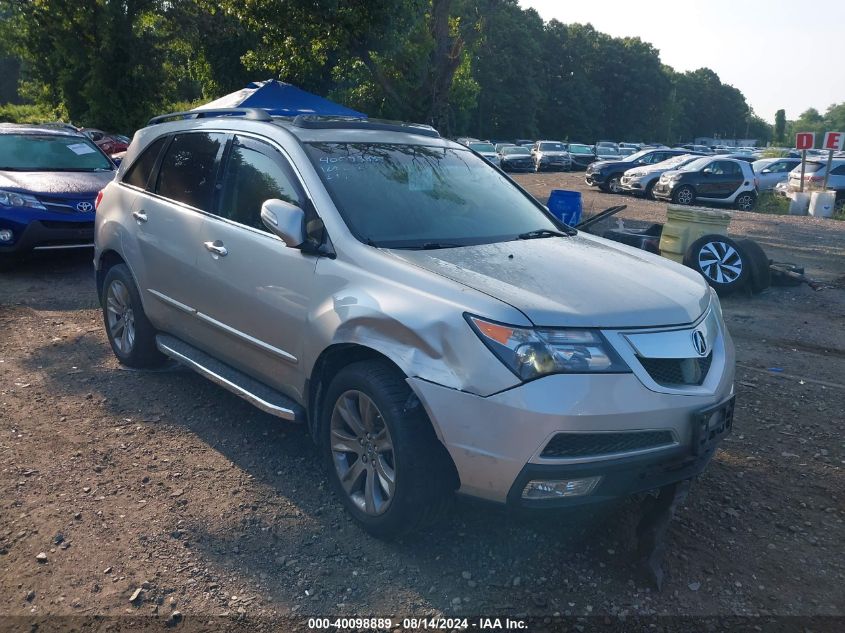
779	53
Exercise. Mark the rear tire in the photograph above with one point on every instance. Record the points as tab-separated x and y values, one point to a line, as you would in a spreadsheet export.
130	333
745	201
385	462
721	261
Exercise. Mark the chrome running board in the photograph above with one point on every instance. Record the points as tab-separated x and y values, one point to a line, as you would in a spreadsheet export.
256	393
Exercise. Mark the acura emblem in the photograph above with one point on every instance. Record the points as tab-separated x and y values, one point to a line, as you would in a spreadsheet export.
699	343
84	207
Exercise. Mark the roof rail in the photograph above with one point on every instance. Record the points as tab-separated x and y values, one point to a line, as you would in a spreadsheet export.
311	121
253	114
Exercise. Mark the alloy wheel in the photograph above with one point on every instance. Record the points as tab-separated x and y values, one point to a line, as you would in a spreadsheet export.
745	202
121	318
362	452
685	196
614	185
720	262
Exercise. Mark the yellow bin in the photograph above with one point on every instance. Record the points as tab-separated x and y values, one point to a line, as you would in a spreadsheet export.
685	224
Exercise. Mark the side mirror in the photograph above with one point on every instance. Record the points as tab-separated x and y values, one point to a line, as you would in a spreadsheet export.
117	160
284	220
766	171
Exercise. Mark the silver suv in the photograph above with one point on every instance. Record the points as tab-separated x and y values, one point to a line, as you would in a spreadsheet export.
435	327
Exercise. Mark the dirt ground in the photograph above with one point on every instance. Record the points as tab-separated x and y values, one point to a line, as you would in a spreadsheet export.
164	483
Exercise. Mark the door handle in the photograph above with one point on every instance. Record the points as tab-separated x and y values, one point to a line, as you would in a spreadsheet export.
140	216
216	248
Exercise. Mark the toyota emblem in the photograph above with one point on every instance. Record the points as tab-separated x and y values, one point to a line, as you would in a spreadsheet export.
699	343
84	207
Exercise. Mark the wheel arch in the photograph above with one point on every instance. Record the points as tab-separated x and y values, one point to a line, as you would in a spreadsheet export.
107	260
335	358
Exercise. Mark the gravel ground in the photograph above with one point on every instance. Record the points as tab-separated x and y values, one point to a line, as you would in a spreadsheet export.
154	492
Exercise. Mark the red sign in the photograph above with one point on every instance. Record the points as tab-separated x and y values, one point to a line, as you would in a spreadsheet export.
834	140
805	140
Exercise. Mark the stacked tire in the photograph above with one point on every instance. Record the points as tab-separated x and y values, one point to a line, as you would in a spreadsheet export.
728	264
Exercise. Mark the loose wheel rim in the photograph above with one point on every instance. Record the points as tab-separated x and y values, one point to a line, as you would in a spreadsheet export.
684	196
121	317
720	262
362	452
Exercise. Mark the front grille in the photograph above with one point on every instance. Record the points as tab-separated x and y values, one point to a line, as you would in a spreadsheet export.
593	444
677	371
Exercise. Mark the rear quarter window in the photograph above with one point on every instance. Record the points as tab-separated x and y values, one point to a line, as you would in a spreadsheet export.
188	172
138	175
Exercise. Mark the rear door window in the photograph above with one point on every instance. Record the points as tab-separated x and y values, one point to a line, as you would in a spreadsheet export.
188	171
138	175
255	172
838	171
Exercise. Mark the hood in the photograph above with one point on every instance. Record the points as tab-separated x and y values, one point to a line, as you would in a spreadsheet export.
580	281
605	163
516	157
56	183
553	152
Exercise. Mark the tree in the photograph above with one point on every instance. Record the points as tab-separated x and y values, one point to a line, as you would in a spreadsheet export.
780	126
99	59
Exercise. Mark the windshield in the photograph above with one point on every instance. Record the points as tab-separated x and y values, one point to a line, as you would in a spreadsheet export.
416	196
675	161
697	164
482	147
552	147
580	149
637	155
515	150
47	152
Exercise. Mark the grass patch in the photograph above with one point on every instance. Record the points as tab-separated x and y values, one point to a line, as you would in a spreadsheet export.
768	202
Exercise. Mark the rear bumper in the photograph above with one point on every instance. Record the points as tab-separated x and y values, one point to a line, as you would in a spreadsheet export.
48	235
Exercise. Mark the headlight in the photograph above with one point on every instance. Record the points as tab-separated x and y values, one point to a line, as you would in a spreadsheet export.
676	177
13	199
534	352
714	301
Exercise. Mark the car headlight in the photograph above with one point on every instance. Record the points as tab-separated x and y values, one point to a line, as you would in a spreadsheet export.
14	199
675	177
533	352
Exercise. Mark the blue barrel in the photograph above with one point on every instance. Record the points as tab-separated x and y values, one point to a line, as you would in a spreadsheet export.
566	206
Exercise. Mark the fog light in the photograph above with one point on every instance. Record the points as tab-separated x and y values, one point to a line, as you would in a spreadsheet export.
6	235
553	489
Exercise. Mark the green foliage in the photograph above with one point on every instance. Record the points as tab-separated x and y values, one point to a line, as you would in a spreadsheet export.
14	113
768	202
483	67
780	126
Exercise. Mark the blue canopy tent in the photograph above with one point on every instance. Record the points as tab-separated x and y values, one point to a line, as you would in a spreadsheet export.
280	99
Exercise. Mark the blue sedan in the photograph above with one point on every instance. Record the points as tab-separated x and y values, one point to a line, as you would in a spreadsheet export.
49	181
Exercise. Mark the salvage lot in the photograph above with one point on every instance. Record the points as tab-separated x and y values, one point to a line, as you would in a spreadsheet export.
164	479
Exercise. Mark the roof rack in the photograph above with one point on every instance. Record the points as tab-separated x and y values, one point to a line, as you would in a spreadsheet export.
253	114
310	121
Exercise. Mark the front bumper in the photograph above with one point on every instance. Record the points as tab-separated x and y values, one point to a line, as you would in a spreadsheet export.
664	190
48	235
594	179
554	162
632	185
497	442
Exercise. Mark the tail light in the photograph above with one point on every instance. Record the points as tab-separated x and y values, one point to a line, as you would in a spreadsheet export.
815	178
97	201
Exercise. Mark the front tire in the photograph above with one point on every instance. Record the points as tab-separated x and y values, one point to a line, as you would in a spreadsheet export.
384	460
614	184
130	333
684	195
